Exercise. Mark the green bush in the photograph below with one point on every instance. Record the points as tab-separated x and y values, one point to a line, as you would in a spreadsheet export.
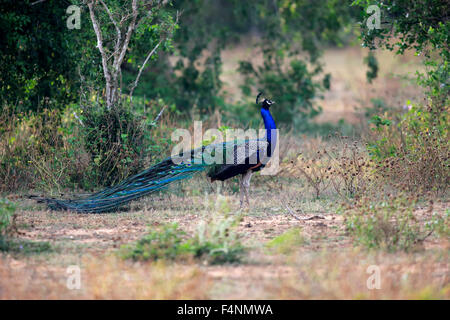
293	89
412	149
216	242
7	210
77	147
114	140
388	225
287	242
40	150
215	245
24	246
165	244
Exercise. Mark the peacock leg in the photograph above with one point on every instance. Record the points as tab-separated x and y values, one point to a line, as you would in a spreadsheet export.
241	190
246	184
210	185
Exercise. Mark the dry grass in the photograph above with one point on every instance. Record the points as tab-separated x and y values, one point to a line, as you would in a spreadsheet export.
324	264
102	278
344	275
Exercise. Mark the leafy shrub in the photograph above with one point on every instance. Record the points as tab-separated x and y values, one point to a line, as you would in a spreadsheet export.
440	224
114	139
214	244
165	244
287	242
72	148
24	246
293	89
39	150
372	64
7	210
389	225
413	152
121	141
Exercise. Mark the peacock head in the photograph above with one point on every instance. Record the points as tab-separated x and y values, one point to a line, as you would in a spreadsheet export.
266	103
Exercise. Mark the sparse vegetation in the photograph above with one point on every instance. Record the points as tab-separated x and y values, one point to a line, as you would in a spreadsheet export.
389	224
412	152
7	210
8	228
166	244
341	165
214	243
286	243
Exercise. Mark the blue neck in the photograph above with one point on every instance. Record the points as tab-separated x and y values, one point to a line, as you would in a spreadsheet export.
269	124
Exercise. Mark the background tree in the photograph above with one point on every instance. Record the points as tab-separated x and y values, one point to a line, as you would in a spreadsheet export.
38	59
126	19
286	30
419	25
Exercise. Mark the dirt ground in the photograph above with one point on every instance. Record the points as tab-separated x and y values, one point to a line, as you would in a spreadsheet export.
326	264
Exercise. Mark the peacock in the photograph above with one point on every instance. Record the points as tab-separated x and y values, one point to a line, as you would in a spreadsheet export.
242	158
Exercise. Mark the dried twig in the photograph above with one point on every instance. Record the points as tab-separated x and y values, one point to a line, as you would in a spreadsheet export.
289	210
159	115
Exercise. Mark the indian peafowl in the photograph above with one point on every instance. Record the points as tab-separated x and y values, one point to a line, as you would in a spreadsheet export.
247	157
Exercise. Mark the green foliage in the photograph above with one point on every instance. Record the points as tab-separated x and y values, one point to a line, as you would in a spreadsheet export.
24	247
379	122
7	210
115	141
293	88
80	148
39	149
440	224
412	148
182	82
422	26
381	148
296	26
38	57
284	28
372	63
411	24
286	243
214	244
166	244
36	69
388	225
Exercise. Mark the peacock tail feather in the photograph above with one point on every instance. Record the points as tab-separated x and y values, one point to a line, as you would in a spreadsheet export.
161	175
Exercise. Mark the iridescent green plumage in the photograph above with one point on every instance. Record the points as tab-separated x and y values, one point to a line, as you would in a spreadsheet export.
159	176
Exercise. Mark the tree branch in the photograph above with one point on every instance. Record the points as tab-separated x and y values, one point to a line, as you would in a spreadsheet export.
119	33
135	83
119	60
142	68
98	33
